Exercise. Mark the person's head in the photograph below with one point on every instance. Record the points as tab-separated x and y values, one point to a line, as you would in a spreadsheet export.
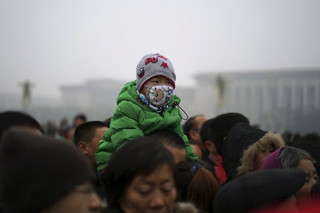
155	80
173	142
42	174
209	153
246	148
79	119
205	132
254	156
192	127
311	143
196	183
220	126
87	136
10	119
140	177
291	157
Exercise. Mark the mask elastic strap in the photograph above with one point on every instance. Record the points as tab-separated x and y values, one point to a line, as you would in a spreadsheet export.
183	112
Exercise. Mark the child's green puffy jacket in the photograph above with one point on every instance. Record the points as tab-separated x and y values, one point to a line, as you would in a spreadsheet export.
132	119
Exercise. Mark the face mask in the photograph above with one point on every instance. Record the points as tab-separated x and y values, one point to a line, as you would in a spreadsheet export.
159	95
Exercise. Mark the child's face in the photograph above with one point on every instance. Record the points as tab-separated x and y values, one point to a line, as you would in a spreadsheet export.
158	80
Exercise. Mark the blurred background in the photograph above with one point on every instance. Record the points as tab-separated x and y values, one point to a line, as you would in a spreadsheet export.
260	58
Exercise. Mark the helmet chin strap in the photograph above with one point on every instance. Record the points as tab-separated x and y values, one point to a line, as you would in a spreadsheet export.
151	106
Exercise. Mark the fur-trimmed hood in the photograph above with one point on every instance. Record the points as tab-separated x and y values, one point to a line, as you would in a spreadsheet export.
247	160
241	137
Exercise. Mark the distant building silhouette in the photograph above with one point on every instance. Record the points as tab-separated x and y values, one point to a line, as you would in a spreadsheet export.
276	100
96	97
91	93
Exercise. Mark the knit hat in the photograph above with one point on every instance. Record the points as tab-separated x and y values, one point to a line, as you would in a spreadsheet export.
257	189
273	161
37	171
152	65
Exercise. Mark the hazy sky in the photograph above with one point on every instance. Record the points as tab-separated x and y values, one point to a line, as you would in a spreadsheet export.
59	42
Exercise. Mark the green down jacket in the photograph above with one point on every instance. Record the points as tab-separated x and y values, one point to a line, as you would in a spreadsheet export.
132	119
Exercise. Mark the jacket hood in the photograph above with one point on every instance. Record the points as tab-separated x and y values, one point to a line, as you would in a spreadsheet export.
239	138
269	139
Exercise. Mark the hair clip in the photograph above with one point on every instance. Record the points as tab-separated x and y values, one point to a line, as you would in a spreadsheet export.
195	168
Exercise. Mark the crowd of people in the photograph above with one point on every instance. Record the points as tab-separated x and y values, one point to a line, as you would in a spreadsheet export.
144	158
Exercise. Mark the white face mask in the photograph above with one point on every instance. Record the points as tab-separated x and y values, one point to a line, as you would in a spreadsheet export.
159	95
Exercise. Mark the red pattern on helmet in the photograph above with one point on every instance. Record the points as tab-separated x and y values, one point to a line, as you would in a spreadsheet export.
154	59
160	56
151	59
164	65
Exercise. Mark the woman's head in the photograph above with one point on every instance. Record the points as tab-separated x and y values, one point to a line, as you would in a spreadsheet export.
197	183
291	157
140	176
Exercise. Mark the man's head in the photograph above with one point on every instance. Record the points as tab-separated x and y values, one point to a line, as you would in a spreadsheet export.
192	128
219	127
39	173
173	142
87	136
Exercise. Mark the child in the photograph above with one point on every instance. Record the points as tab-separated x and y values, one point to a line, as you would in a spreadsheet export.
143	106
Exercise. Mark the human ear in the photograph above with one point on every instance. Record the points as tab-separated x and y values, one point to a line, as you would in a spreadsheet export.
82	146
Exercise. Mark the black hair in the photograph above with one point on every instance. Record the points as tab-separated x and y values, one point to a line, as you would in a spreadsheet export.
220	126
86	131
107	121
17	119
205	130
140	156
168	137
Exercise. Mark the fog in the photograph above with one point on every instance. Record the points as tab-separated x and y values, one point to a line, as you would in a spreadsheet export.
54	43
